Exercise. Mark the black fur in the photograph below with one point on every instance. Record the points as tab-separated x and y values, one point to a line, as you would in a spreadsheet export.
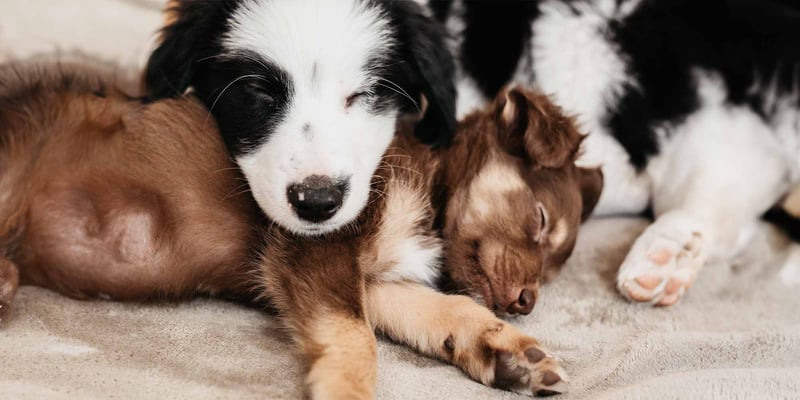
193	36
748	42
496	33
428	69
785	221
250	108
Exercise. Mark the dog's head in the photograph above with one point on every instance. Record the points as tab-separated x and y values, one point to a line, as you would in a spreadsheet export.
307	93
516	199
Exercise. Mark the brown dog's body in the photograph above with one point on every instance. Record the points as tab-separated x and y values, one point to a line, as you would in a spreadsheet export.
103	196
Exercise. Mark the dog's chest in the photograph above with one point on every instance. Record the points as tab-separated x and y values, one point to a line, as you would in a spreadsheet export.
403	247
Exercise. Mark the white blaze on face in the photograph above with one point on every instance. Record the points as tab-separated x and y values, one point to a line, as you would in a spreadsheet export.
325	47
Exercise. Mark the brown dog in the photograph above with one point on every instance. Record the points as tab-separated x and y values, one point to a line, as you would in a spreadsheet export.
515	199
105	196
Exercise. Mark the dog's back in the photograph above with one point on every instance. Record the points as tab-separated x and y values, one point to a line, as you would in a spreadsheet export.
104	195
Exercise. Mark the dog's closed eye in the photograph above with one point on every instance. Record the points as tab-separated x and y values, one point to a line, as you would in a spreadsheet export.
356	97
257	89
540	229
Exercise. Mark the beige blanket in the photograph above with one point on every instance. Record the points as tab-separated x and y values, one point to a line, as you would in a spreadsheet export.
736	335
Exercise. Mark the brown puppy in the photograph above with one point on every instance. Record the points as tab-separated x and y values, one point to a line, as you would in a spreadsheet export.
104	196
515	199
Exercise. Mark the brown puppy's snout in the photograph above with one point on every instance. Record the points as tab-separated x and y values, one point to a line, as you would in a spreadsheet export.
519	302
317	198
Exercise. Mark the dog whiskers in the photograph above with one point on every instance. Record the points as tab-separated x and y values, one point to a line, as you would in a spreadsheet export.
397	89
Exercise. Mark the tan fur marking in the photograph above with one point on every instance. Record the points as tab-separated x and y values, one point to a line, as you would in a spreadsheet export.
347	365
488	190
559	233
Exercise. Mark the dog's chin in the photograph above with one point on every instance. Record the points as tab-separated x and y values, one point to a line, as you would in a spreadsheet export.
301	228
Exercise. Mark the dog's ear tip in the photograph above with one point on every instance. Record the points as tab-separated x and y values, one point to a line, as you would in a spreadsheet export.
510	100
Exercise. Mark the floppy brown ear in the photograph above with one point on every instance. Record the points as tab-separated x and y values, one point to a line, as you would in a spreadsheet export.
591	181
548	137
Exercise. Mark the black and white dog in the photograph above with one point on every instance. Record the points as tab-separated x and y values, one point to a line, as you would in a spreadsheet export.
307	93
693	109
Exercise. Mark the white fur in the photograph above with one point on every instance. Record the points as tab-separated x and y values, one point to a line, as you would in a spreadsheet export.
324	46
407	256
723	165
416	263
716	174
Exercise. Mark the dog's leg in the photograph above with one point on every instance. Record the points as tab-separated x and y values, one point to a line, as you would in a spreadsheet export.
458	330
717	174
318	290
9	282
342	353
339	348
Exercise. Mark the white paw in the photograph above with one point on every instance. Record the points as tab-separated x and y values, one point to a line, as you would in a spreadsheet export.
663	262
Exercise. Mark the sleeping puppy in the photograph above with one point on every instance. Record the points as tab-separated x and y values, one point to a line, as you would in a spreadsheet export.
514	199
307	93
104	196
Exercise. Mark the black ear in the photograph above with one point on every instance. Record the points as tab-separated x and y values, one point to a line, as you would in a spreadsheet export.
184	41
428	70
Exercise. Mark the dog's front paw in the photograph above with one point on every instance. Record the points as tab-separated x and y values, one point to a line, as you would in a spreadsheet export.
663	262
529	371
505	358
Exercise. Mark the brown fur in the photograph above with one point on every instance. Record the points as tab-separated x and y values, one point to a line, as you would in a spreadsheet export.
106	196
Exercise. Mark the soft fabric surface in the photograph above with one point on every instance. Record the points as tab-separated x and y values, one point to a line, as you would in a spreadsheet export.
736	335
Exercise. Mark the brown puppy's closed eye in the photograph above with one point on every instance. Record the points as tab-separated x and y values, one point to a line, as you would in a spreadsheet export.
516	199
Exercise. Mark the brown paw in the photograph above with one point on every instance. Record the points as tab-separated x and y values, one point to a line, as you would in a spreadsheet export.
529	370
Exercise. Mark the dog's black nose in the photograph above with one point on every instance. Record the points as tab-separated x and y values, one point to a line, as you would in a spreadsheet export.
317	198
